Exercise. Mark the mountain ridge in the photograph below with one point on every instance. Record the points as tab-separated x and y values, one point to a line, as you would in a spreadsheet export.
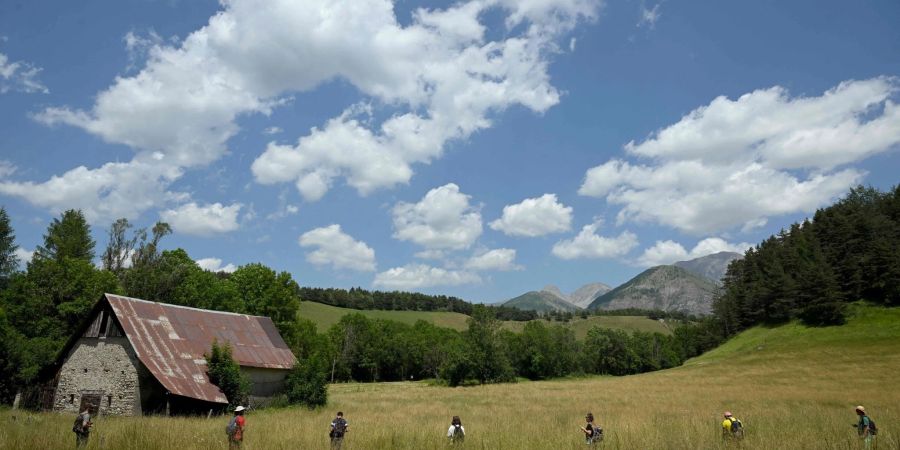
667	288
711	266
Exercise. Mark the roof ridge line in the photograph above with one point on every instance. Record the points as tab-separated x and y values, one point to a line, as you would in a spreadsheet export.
185	307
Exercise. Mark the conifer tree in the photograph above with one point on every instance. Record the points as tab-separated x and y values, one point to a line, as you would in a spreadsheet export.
9	263
69	236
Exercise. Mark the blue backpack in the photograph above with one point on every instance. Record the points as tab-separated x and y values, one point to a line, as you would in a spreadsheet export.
231	428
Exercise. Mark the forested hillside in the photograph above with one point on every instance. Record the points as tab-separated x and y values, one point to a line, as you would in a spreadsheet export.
849	251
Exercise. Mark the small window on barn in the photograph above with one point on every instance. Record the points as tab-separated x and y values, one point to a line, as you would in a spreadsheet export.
72	398
112	330
104	322
94	330
108	401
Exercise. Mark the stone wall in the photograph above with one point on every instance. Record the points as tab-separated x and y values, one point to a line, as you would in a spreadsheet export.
106	366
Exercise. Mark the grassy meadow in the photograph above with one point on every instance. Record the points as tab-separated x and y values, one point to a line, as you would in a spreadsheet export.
793	387
581	326
325	316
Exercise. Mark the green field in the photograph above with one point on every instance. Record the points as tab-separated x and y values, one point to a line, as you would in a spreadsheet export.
326	315
793	387
581	326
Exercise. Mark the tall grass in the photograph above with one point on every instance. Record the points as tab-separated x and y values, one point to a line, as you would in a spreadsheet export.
794	388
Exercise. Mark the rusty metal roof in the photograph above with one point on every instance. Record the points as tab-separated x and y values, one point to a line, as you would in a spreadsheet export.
170	340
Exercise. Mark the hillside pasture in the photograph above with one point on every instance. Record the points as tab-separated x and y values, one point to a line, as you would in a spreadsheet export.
325	316
581	326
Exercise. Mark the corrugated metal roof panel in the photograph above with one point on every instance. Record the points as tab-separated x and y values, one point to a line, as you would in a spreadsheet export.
171	341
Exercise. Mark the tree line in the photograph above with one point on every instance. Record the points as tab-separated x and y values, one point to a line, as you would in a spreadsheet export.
359	298
361	349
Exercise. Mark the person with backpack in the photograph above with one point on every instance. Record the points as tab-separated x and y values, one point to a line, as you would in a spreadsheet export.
339	427
456	433
732	428
235	428
592	432
82	428
866	428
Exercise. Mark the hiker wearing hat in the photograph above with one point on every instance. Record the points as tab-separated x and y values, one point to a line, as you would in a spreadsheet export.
235	428
592	432
732	428
865	428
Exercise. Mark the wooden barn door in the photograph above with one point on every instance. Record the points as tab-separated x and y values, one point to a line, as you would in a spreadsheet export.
90	400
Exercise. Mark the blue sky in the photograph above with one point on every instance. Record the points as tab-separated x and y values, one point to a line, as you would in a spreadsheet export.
480	149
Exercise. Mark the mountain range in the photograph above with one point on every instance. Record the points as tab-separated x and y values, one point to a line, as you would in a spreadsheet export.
686	286
550	298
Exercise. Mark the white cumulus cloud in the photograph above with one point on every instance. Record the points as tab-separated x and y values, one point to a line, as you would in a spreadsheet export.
589	245
337	249
215	265
668	251
735	163
104	194
419	276
500	259
440	73
207	220
443	219
534	217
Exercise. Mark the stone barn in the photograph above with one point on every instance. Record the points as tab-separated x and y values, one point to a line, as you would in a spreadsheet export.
136	357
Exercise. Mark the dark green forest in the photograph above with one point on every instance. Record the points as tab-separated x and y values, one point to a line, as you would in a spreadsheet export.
848	252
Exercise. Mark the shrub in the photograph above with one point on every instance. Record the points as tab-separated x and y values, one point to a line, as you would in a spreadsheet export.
307	384
225	373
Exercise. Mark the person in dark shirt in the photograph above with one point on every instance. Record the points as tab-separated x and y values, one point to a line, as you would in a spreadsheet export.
82	428
339	427
592	432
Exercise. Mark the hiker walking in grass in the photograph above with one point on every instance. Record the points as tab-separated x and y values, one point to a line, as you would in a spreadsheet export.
339	427
235	428
82	428
456	433
866	428
732	428
592	432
